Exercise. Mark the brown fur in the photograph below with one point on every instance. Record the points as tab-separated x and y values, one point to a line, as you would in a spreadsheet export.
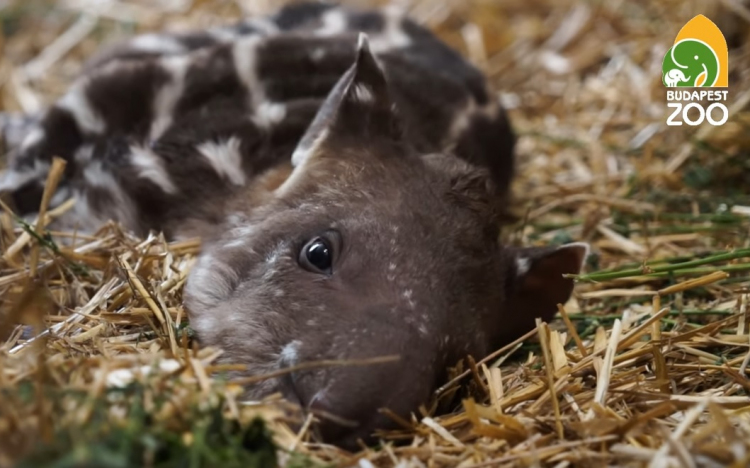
418	271
397	157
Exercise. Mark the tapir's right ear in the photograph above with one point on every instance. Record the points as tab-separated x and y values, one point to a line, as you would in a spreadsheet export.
535	284
358	108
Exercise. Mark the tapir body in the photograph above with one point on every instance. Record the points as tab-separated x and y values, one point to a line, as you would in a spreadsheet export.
348	187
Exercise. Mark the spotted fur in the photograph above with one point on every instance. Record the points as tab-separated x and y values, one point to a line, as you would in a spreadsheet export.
358	128
186	120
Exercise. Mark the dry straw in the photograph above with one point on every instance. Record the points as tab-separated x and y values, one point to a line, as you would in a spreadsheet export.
647	366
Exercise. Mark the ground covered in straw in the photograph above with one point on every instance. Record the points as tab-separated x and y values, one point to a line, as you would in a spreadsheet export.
645	367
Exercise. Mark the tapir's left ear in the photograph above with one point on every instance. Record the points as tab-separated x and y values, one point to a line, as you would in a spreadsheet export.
535	284
357	107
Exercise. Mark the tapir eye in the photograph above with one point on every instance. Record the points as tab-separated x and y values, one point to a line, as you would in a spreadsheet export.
317	256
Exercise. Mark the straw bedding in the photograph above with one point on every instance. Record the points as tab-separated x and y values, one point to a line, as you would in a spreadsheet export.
646	366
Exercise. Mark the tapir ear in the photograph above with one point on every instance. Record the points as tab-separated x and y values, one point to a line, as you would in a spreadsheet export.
535	284
357	107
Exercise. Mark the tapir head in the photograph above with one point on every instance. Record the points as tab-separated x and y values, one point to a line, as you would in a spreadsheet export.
366	250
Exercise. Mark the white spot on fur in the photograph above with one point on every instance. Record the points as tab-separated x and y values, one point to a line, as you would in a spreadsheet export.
210	282
262	25
522	266
13	179
393	35
76	102
303	153
317	54
150	166
423	330
363	94
157	43
245	53
239	234
334	22
391	266
290	353
32	138
82	218
235	219
121	209
61	195
234	243
244	231
320	394
223	34
168	95
84	155
462	119
268	114
407	295
274	255
225	158
265	113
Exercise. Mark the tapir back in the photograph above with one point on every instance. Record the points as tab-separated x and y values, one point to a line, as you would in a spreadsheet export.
160	131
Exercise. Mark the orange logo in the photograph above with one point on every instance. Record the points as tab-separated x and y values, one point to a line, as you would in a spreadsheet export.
698	58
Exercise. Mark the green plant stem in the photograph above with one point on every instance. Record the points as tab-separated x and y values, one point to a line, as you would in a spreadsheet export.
673	268
49	244
673	312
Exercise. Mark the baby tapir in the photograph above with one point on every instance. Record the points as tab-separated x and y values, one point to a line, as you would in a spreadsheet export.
347	172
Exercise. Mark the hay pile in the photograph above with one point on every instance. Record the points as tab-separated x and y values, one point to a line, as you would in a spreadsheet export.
646	368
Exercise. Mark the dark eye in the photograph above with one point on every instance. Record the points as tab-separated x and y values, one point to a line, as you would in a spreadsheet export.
317	256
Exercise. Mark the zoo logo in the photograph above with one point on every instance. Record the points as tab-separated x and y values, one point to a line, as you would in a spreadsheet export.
699	58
